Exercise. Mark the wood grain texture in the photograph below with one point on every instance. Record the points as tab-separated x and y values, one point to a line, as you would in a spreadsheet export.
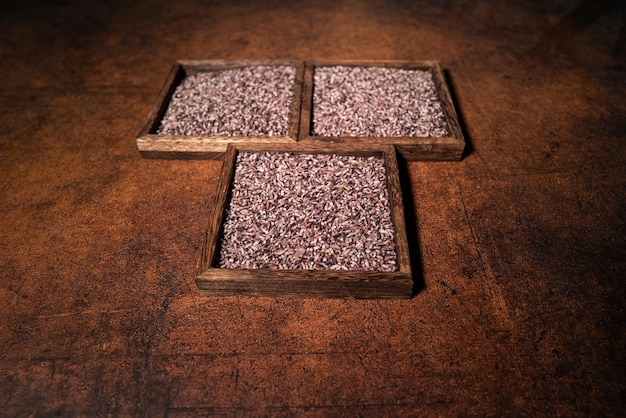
520	246
305	283
411	148
153	145
197	147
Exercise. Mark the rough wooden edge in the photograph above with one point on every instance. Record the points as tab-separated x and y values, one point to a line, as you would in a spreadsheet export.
197	147
397	210
183	155
172	80
296	102
151	145
306	283
211	241
424	65
448	148
445	98
411	148
195	66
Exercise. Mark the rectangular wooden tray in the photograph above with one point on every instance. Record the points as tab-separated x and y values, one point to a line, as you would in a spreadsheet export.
448	148
212	280
152	145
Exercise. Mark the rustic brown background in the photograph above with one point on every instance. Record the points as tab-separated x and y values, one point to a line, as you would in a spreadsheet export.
522	247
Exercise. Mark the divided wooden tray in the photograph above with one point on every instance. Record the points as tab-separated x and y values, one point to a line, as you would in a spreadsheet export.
212	280
153	145
447	148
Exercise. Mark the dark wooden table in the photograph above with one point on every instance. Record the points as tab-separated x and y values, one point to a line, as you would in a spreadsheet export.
522	255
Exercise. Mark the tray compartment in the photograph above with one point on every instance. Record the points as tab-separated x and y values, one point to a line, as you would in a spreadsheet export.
310	282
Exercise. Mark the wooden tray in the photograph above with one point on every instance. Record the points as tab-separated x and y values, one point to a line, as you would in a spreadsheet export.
212	280
152	145
448	148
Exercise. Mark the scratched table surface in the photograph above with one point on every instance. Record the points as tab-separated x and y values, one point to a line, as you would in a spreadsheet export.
520	248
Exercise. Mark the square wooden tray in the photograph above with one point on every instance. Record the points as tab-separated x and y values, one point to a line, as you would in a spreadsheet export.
448	148
153	145
212	280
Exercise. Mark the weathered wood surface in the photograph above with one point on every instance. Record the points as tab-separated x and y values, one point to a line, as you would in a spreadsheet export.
153	145
215	281
412	148
520	245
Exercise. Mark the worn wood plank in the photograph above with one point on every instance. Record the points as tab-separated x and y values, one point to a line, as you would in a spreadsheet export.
303	283
195	147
